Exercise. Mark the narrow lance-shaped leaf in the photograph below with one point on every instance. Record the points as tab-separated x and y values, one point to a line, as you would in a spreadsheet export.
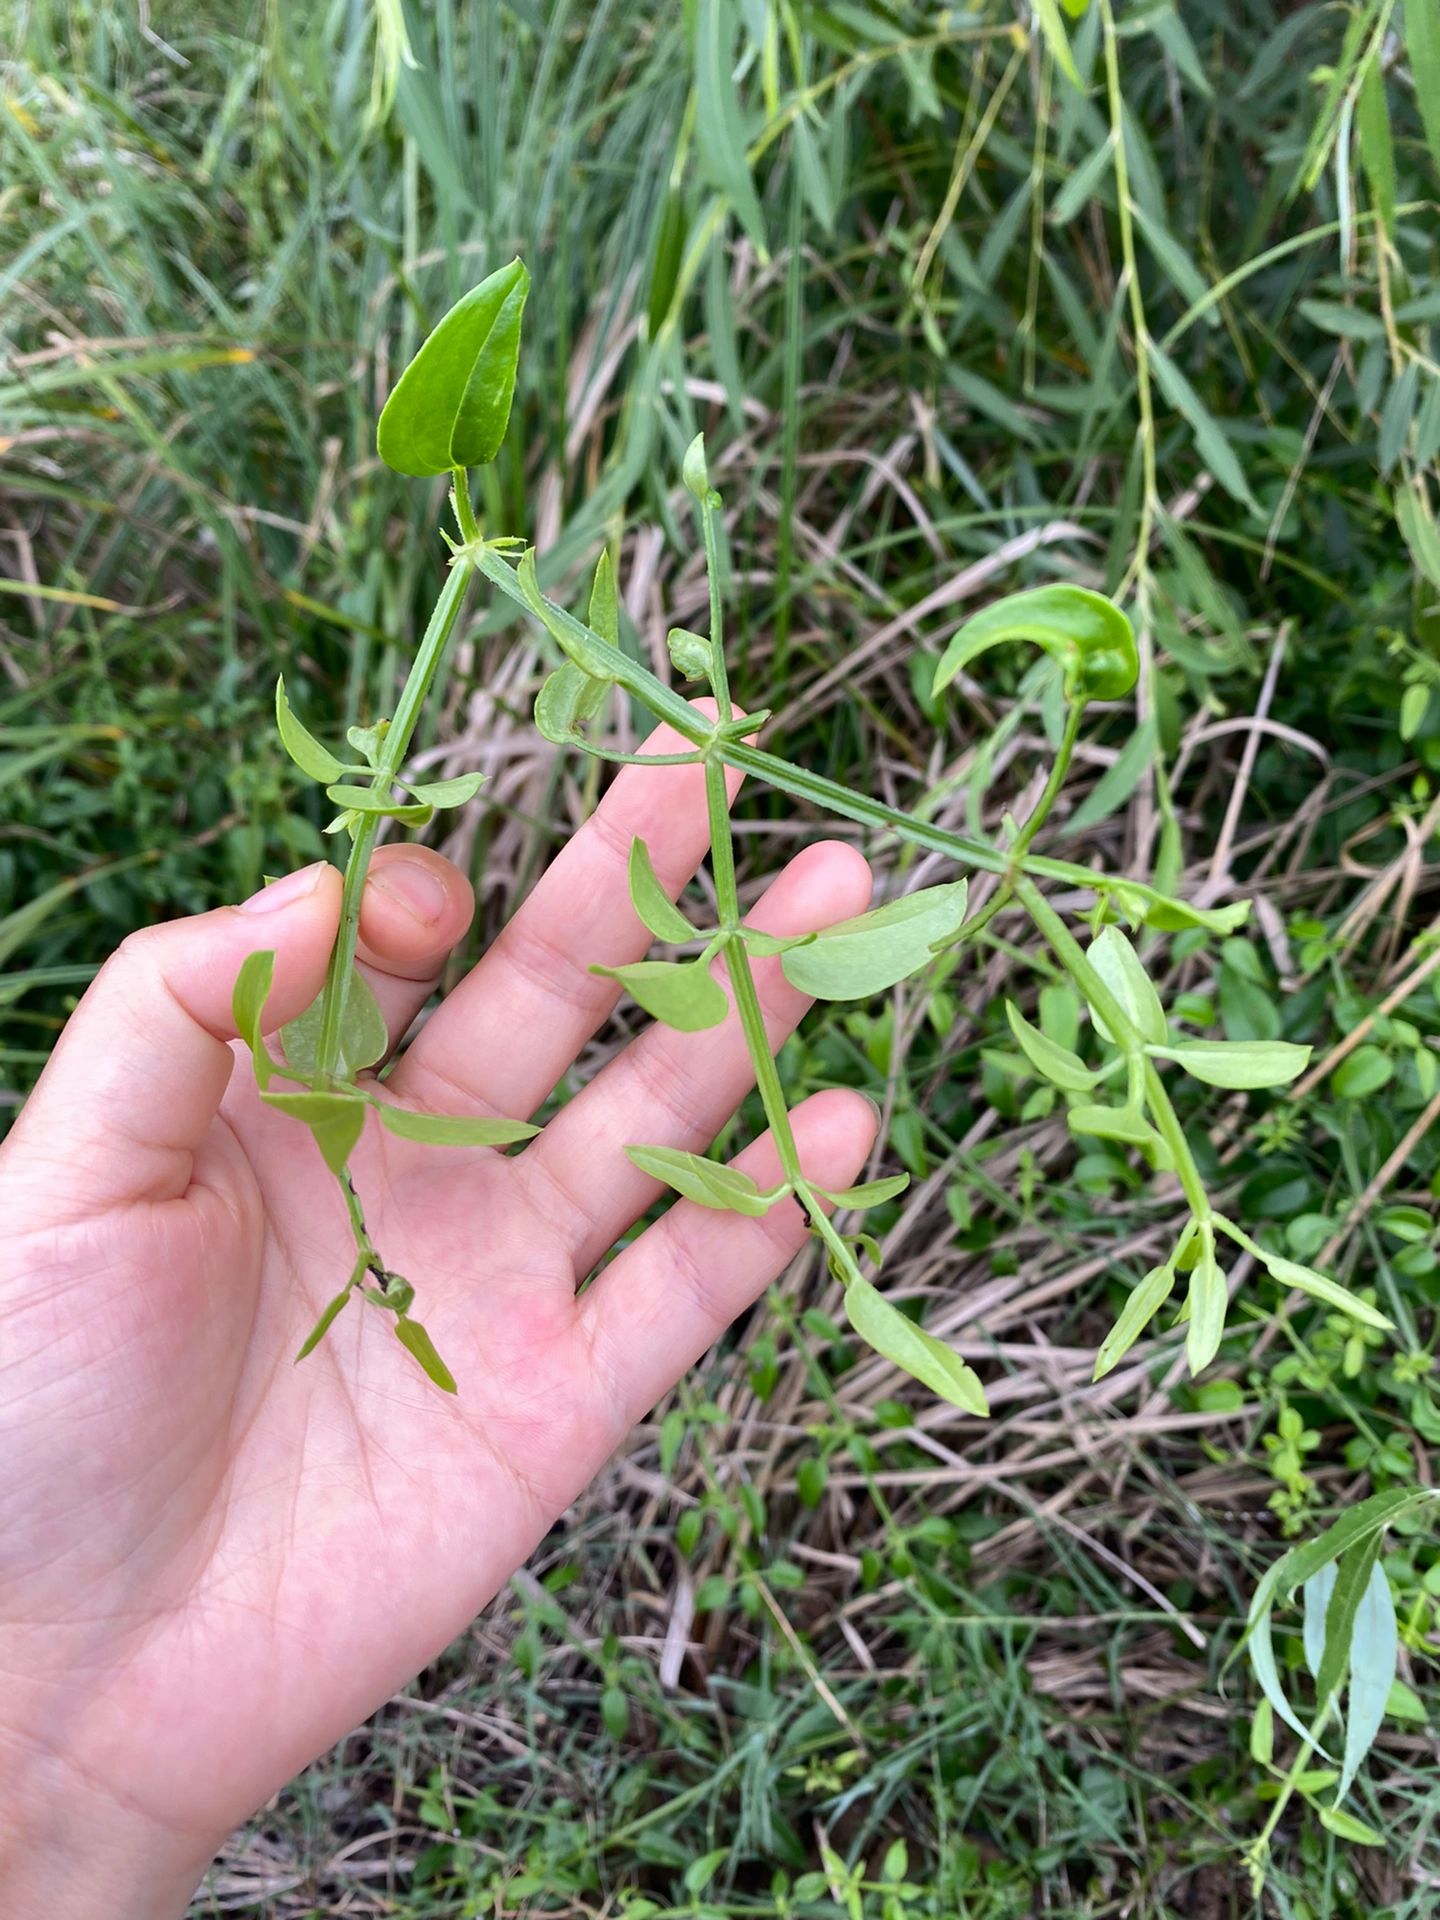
656	910
1238	1064
301	745
247	1009
866	955
684	994
1052	1062
447	793
706	1182
871	1193
1146	1300
1210	443
1088	634
1290	1273
1373	1646
323	1325
413	1336
1352	1576
898	1339
451	406
719	132
453	1129
1207	1299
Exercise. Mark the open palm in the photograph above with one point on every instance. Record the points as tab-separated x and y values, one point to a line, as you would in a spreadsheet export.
215	1562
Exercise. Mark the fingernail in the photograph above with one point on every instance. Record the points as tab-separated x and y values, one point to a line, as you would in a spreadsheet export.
415	885
874	1106
285	891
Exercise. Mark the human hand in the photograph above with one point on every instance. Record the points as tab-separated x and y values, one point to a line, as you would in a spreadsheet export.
214	1563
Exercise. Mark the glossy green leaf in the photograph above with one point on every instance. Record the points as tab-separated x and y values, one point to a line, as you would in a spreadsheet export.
1238	1064
656	910
866	955
898	1339
706	1182
870	1193
373	800
1145	1301
336	1119
301	745
719	131
364	1037
1290	1273
453	1129
247	1009
1088	634
681	993
1052	1062
447	793
1118	965
451	406
1208	1300
413	1336
323	1325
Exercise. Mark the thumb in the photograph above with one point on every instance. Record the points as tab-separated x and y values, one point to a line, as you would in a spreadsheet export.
141	1067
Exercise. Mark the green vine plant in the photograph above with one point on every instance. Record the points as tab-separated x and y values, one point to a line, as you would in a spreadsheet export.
447	414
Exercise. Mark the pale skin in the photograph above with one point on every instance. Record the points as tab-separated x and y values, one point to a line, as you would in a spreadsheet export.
213	1562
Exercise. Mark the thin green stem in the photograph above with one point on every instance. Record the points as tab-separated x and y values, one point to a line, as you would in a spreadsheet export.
976	924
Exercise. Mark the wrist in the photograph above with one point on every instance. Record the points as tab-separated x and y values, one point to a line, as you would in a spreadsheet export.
72	1849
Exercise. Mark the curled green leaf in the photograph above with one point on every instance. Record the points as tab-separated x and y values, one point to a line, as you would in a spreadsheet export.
567	698
1239	1065
451	406
689	652
657	912
336	1119
706	1182
301	745
1086	633
247	1009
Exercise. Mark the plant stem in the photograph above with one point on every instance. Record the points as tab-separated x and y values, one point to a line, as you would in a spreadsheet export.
362	845
977	922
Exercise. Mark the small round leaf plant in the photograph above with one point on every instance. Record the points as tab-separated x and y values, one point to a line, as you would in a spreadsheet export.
449	413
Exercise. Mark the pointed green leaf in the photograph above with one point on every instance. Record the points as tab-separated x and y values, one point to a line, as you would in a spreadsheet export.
413	1336
693	470
1422	45
656	910
1207	1299
1351	1578
301	745
719	131
451	406
1238	1064
247	1009
898	1339
1146	1300
364	1037
1047	12
871	1193
1214	449
1085	632
447	793
1118	965
1052	1062
323	1325
336	1119
866	955
682	993
1344	1825
706	1182
764	946
1377	150
1114	1123
453	1129
1290	1273
374	800
567	632
1374	1643
604	601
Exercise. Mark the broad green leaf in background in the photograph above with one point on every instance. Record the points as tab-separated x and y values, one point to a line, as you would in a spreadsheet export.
1094	169
719	130
1207	1299
604	616
413	1336
453	1129
1146	1300
1422	44
657	912
897	1338
1210	443
1238	1064
1047	12
1052	1062
364	1037
1118	965
681	993
247	1009
301	745
336	1119
1377	150
1088	634
451	406
706	1182
866	955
